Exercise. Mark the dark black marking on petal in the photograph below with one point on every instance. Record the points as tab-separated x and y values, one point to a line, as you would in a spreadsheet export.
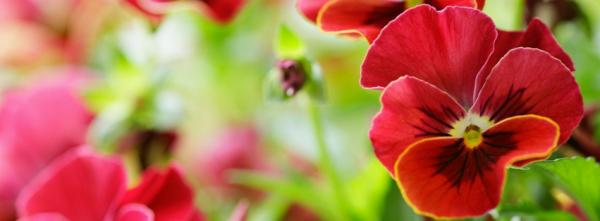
463	165
381	16
436	122
512	104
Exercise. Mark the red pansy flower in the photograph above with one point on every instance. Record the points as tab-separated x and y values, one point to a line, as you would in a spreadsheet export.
84	186
365	17
38	124
462	102
221	11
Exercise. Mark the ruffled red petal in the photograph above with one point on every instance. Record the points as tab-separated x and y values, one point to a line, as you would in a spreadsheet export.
310	8
80	186
445	48
531	81
224	10
165	193
537	35
411	110
366	17
440	177
441	4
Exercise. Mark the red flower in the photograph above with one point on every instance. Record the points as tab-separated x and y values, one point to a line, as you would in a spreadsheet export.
463	102
365	17
84	186
221	11
37	125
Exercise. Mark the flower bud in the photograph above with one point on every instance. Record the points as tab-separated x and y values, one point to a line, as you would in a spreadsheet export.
292	76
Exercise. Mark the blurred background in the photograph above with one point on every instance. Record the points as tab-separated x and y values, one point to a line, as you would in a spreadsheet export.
187	89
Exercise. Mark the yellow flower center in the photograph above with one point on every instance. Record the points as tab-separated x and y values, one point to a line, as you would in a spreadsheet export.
471	129
472	137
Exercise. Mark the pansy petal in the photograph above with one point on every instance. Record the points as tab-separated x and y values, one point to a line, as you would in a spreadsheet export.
310	8
152	8
411	110
221	11
80	186
445	48
441	4
367	17
224	10
44	217
135	212
240	213
165	193
537	35
441	177
531	81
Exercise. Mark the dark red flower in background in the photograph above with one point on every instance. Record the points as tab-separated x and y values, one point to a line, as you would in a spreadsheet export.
365	17
37	125
462	102
221	11
84	186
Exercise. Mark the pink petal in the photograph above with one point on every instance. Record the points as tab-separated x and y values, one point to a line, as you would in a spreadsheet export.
44	217
135	212
80	186
241	212
34	130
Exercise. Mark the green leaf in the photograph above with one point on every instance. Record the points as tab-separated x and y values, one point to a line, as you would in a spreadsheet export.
507	14
289	45
315	86
368	190
272	89
413	3
295	188
538	216
580	178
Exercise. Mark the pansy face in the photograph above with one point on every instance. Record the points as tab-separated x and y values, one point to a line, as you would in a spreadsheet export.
221	11
366	17
462	102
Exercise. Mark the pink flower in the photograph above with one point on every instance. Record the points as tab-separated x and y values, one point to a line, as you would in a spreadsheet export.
221	11
236	148
84	186
47	31
37	125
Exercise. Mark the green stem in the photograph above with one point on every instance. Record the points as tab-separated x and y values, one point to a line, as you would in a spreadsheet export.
325	162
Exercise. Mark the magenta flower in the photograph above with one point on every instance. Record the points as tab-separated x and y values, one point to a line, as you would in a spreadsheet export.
48	31
221	11
37	125
84	186
235	148
463	102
